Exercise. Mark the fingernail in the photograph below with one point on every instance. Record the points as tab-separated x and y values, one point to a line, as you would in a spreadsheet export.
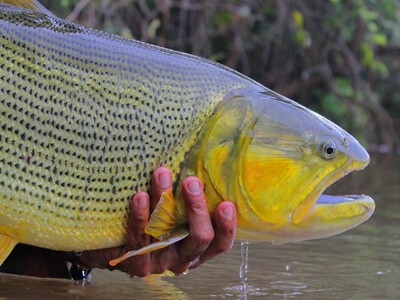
165	180
142	202
228	212
195	188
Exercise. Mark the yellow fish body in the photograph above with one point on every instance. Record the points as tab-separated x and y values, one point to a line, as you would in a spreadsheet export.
86	116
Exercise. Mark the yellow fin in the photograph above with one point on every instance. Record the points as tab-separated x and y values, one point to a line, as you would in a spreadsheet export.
28	4
176	236
6	245
163	220
162	225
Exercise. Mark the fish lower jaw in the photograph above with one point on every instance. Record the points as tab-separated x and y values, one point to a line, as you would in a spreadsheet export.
331	215
361	205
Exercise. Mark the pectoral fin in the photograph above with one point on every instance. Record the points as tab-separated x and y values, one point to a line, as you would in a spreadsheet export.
6	245
163	220
174	237
162	225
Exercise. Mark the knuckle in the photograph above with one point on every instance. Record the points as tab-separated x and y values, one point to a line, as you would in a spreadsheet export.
161	260
139	266
180	268
137	240
141	217
161	266
197	206
189	258
230	233
142	272
203	238
143	268
219	249
160	269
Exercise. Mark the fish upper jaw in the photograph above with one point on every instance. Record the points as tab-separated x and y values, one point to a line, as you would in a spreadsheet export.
359	157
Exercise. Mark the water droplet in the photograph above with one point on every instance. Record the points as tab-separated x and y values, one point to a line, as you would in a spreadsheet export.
244	267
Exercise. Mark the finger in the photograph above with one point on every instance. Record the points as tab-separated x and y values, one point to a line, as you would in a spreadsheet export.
201	229
143	265
139	217
225	232
136	237
161	182
98	258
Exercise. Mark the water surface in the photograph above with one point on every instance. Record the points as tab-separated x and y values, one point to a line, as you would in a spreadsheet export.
363	263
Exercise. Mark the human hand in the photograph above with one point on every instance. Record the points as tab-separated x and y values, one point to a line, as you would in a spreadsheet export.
203	243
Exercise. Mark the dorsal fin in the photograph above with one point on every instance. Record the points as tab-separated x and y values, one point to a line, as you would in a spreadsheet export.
28	4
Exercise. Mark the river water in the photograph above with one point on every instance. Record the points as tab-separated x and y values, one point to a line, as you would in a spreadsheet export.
363	263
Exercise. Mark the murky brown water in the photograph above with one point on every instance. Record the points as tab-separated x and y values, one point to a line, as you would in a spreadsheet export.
363	263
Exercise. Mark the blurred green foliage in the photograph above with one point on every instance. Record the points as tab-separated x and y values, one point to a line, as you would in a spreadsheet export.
338	57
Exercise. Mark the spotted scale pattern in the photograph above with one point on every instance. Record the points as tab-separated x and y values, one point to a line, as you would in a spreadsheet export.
85	117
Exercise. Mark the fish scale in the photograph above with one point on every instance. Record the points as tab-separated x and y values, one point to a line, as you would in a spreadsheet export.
85	118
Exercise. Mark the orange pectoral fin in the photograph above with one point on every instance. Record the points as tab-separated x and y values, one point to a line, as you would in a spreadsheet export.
7	244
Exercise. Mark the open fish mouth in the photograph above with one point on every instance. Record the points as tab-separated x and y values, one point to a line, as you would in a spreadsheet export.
334	214
362	200
327	215
339	206
357	205
329	199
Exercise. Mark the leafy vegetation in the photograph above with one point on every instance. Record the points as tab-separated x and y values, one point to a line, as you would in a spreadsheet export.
338	57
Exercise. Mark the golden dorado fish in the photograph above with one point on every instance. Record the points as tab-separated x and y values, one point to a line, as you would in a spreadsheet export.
85	116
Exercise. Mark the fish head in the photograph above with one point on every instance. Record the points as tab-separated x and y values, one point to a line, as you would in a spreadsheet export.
275	157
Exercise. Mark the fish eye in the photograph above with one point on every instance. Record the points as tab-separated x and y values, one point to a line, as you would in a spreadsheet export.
328	149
